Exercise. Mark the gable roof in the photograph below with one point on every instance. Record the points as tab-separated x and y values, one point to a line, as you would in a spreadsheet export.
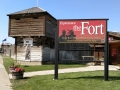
117	34
30	10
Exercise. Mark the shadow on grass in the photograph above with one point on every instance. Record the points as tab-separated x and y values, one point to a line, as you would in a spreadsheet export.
110	78
26	77
25	66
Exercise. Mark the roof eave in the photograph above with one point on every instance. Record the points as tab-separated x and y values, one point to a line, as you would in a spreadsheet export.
26	13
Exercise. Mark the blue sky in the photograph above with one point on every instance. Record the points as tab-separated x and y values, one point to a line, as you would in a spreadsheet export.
63	9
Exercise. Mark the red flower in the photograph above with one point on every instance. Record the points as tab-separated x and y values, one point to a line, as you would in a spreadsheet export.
19	69
16	68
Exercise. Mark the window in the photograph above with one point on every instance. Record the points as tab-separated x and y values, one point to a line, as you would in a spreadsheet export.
17	19
35	17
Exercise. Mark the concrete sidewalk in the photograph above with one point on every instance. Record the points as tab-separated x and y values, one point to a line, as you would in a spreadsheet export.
81	69
4	77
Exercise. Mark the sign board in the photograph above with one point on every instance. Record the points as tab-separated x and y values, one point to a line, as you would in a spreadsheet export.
82	31
28	41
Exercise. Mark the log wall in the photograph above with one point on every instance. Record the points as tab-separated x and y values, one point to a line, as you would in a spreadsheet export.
50	27
27	26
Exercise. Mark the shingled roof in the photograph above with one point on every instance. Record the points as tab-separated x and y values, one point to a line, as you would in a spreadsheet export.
30	10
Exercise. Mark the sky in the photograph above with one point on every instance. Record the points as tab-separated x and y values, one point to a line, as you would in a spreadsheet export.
63	9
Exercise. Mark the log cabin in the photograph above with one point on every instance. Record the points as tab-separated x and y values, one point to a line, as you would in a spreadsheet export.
34	32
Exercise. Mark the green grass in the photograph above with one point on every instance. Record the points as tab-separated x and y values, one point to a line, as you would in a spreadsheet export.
93	80
9	61
50	67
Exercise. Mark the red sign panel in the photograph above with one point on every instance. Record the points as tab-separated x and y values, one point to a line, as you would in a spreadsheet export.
82	31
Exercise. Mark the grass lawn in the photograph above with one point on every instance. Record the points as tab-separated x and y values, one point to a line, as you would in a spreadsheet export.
9	61
93	80
50	67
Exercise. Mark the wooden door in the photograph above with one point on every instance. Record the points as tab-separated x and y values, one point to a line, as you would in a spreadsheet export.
113	54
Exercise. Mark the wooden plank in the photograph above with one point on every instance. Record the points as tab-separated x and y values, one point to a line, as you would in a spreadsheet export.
36	53
24	27
36	49
30	24
23	31
27	34
27	26
20	54
50	27
34	58
16	35
46	54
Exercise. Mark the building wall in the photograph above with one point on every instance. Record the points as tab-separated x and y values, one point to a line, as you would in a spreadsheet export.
27	26
27	52
35	53
50	26
114	53
72	56
9	50
45	53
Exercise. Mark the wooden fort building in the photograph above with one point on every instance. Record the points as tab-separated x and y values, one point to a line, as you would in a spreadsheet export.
34	33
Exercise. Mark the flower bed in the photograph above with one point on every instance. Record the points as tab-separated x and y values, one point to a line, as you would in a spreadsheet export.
16	71
17	75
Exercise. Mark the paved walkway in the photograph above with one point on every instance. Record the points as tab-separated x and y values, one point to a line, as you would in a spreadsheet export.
4	77
89	68
81	69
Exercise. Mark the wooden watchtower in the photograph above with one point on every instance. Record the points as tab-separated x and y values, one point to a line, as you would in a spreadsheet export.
34	33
